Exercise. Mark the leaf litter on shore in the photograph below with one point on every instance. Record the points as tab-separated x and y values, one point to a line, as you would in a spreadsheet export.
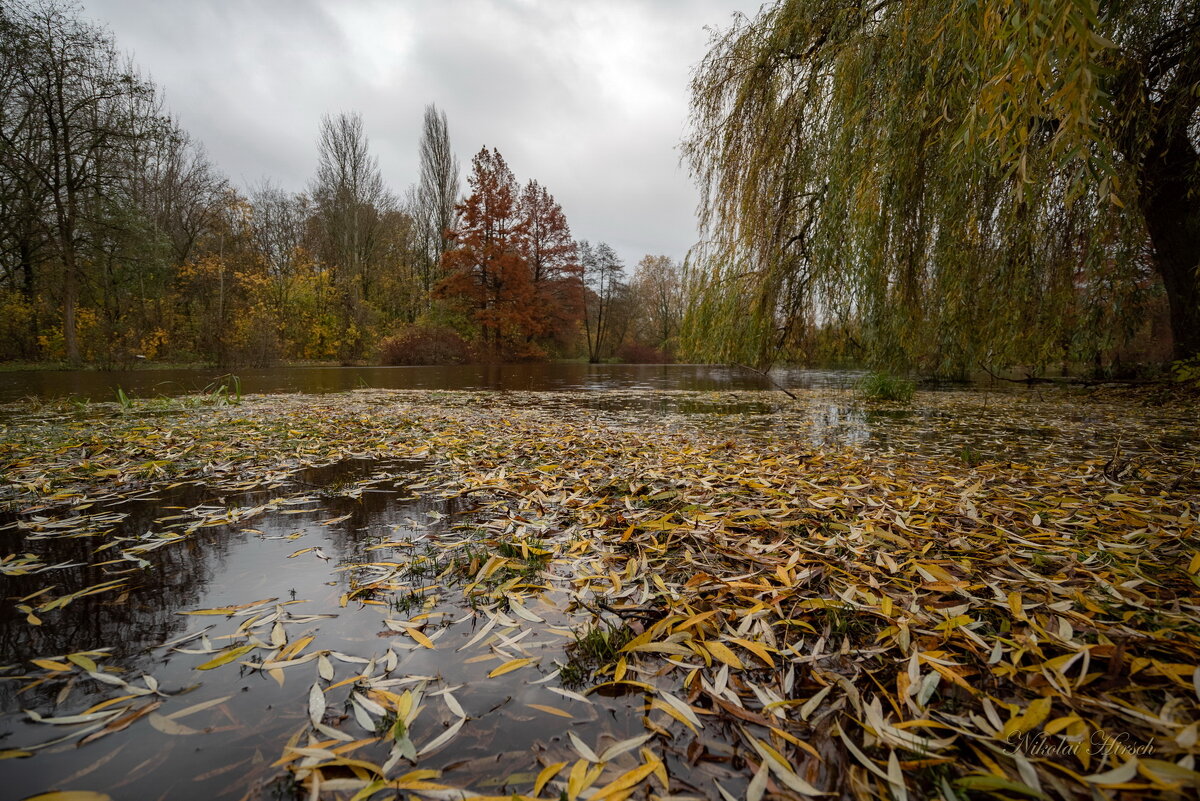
990	594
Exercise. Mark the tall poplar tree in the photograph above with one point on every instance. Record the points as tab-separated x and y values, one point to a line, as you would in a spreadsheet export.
436	194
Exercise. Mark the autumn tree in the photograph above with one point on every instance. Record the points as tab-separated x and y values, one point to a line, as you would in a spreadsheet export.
72	110
159	216
217	284
957	181
604	314
26	243
351	200
658	294
551	257
24	199
278	230
180	191
119	238
402	296
435	197
485	268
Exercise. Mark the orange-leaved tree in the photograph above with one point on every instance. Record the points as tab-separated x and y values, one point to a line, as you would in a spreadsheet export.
553	262
485	270
512	267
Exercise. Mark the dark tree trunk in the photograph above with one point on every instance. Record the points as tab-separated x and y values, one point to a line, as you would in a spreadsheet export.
70	300
1171	207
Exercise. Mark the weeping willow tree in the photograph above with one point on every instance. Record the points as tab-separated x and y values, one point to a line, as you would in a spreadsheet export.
940	184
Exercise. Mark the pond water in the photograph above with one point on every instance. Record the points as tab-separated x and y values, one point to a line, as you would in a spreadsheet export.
122	597
281	572
102	386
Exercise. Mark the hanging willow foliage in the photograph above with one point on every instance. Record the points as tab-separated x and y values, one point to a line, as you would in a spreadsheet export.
943	183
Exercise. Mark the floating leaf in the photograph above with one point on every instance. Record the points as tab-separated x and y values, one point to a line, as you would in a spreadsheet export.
553	710
200	707
445	737
226	657
316	704
168	726
511	665
547	773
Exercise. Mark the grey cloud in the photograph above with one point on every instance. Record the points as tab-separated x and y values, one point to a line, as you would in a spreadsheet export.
588	98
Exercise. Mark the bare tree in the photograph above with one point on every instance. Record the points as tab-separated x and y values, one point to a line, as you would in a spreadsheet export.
24	202
351	200
659	297
181	191
72	104
436	195
278	223
602	272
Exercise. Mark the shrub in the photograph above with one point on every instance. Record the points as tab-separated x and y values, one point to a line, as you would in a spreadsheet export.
16	326
416	344
882	386
636	353
523	351
1187	371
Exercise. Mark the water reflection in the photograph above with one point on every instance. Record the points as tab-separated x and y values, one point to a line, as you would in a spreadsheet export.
214	566
348	511
308	544
555	376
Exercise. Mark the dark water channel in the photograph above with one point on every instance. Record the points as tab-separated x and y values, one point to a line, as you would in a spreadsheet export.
296	553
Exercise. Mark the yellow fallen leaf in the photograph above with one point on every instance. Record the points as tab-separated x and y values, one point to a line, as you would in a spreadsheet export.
420	637
547	773
625	781
294	648
226	657
553	710
576	778
105	704
1058	724
1035	713
508	667
933	572
82	661
756	648
480	658
723	653
1015	605
953	676
672	711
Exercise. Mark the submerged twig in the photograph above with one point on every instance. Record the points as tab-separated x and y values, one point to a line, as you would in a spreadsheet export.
767	376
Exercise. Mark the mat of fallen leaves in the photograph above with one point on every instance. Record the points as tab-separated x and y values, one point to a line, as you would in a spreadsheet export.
676	595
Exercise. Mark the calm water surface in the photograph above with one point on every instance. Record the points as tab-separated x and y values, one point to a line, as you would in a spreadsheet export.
300	554
315	533
102	386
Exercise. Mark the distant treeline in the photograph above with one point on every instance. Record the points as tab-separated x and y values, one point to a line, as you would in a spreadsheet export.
120	239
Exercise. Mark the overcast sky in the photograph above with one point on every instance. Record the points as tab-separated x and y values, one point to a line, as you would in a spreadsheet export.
589	98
